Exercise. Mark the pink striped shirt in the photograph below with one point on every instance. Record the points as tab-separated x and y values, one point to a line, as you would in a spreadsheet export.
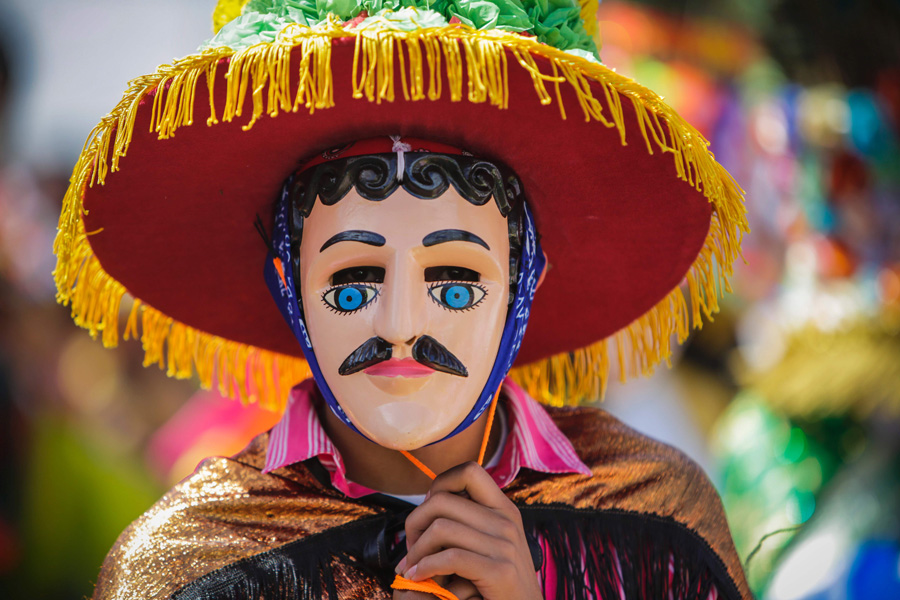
533	442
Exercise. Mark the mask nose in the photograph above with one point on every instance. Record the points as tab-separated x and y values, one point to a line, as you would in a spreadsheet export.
401	315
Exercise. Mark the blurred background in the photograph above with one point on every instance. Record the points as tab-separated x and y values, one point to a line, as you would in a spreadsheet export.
790	400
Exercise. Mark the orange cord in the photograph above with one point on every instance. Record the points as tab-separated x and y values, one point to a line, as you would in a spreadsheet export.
487	429
280	268
422	467
430	586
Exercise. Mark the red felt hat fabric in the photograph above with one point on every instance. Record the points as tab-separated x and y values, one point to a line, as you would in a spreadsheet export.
175	224
629	202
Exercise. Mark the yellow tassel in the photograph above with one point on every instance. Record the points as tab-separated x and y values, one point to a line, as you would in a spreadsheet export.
260	76
453	69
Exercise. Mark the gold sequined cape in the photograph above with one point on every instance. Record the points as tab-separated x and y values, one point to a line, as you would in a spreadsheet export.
229	512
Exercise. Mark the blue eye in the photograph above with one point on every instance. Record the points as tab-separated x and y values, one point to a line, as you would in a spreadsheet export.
349	298
457	296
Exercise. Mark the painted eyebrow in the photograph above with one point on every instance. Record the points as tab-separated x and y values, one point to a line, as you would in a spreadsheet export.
355	235
452	235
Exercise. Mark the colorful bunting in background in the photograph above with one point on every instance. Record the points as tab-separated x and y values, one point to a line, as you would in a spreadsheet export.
808	447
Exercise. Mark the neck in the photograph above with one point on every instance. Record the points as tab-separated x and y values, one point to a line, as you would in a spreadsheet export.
387	470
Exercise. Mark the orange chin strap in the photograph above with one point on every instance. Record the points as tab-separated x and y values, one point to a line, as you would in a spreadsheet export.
430	586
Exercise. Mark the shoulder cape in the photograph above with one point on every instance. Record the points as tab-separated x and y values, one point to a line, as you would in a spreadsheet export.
647	522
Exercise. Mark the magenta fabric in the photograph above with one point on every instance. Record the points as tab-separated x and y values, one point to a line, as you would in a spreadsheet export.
533	442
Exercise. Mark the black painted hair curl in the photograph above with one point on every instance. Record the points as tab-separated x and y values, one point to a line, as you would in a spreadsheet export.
426	175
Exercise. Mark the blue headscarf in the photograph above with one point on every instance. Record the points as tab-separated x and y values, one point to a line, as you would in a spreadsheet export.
531	265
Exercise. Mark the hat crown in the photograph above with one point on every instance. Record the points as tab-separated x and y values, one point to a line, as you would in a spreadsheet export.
569	25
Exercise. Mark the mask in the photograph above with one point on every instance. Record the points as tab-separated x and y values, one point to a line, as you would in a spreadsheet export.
463	332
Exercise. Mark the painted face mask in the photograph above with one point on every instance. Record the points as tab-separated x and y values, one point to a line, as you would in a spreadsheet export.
426	263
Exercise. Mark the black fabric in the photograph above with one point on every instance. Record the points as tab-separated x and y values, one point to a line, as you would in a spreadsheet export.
646	546
301	570
647	556
316	469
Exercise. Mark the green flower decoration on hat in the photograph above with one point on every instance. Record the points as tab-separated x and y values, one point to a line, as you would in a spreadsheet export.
558	23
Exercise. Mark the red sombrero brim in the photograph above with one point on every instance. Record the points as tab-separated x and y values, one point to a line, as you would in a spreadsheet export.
622	221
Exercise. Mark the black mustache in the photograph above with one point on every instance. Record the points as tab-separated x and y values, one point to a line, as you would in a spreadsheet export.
427	351
372	352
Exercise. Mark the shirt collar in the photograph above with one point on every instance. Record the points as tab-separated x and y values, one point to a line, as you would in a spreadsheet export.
534	441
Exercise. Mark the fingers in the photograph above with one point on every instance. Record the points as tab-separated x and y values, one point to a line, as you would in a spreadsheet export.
410	595
463	589
450	506
465	493
446	533
472	479
469	529
463	563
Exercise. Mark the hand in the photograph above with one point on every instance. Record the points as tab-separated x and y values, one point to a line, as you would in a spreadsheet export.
407	595
467	527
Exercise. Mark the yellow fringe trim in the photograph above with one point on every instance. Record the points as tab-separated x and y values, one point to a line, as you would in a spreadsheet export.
420	59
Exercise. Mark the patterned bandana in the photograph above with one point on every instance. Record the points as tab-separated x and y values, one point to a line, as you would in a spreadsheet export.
531	265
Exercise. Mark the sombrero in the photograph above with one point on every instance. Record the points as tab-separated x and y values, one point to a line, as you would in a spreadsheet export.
630	204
